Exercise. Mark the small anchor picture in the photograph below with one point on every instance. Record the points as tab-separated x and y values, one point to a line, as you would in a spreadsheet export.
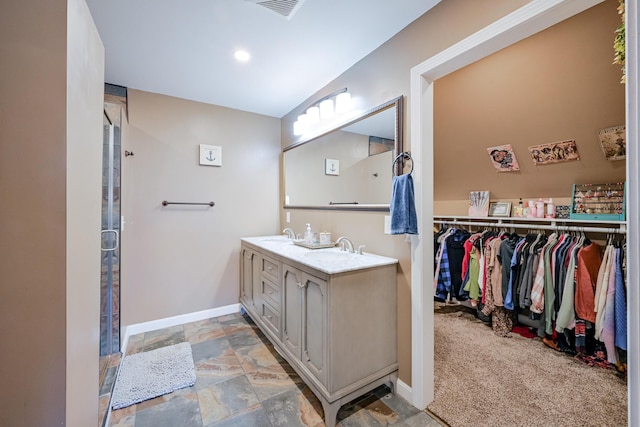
332	167
210	155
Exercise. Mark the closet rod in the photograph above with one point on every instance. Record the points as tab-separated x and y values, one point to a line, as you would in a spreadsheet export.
620	230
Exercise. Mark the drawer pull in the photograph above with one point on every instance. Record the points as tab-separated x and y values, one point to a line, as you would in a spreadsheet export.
269	268
269	317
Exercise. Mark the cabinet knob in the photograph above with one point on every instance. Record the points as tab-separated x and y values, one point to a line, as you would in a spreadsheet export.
302	285
269	317
270	292
269	268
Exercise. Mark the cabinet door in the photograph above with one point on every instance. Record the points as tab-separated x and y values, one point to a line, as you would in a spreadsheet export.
315	351
249	277
247	257
292	309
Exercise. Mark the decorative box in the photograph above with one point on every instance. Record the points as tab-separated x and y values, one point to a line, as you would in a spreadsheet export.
603	202
563	211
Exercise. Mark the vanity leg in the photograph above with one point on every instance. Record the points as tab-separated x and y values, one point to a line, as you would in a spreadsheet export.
330	412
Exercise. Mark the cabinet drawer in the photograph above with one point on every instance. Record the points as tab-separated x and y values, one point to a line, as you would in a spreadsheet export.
270	269
271	293
271	318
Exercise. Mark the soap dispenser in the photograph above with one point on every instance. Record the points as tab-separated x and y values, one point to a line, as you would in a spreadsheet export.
308	234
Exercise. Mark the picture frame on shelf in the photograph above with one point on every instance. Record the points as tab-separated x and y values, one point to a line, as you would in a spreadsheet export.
500	209
479	203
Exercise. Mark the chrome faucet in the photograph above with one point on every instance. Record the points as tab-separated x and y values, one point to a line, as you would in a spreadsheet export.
344	243
289	232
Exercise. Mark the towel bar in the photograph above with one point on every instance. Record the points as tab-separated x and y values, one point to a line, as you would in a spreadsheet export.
165	203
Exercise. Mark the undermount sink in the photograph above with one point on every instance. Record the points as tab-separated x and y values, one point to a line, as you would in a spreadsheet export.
328	255
276	239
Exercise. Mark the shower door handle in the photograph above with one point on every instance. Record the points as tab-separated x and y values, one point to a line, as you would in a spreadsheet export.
117	240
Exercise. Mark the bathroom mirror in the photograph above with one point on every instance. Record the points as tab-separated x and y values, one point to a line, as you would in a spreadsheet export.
349	167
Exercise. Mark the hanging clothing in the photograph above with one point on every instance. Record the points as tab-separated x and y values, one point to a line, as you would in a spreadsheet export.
607	334
620	303
602	283
566	318
589	260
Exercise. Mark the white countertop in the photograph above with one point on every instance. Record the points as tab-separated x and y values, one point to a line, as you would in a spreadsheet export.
329	260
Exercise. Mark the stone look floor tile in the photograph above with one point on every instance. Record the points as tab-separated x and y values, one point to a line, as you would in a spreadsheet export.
256	417
135	344
241	381
292	409
182	410
163	338
226	398
217	369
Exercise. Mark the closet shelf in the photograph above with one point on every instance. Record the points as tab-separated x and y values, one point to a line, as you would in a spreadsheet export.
555	224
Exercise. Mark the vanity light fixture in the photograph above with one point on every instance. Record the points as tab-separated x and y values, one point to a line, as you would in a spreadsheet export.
323	109
343	102
326	109
313	115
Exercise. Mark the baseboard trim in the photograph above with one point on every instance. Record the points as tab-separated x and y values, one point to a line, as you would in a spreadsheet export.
152	325
404	391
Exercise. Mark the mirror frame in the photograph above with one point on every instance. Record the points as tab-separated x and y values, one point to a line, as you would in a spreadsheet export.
398	103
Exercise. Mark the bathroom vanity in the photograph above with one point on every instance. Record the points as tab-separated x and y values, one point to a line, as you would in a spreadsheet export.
331	314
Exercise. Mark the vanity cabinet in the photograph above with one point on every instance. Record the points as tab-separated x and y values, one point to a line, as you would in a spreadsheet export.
337	329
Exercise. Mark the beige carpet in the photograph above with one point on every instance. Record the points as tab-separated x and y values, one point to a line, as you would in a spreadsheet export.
485	380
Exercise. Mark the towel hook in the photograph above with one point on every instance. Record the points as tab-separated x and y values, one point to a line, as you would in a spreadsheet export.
402	156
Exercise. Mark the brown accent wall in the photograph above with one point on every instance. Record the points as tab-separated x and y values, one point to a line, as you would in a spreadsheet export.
557	85
380	77
182	259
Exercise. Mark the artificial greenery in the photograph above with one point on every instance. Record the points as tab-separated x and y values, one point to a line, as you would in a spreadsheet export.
619	44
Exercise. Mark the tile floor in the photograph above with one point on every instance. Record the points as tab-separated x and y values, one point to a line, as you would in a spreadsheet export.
241	381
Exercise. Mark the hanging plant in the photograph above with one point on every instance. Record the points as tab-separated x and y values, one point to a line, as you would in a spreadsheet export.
619	44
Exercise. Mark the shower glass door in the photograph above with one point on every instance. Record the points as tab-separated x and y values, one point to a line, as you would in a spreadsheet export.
110	268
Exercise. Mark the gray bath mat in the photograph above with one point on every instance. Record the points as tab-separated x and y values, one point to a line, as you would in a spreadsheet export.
153	373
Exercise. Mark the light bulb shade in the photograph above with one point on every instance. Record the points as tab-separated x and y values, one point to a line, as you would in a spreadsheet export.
326	109
343	102
313	115
301	125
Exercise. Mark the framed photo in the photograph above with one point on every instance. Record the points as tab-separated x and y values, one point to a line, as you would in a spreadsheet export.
379	145
331	167
613	142
500	209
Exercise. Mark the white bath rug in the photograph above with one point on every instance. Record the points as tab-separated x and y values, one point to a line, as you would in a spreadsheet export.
153	373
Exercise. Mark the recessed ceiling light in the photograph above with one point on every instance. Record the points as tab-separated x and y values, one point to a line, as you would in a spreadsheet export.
242	55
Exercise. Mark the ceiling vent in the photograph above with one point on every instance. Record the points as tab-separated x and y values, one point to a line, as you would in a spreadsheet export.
286	8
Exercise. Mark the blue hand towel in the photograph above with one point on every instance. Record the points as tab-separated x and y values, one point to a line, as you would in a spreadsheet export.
402	207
